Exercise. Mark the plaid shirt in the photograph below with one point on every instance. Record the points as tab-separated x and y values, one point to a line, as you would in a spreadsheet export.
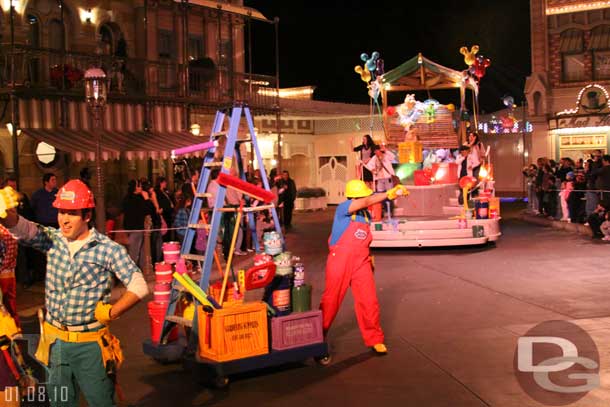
8	251
181	221
74	285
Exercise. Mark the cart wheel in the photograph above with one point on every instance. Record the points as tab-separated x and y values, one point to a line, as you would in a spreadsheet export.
324	360
221	382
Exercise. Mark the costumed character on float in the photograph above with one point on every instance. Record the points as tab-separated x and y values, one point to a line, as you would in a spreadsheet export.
349	262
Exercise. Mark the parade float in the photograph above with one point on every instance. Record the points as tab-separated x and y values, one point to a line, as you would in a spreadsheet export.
425	135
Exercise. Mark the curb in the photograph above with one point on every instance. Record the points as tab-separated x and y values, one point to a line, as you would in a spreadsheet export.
555	224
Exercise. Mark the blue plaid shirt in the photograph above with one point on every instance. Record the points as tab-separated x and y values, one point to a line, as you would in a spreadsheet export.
181	221
74	285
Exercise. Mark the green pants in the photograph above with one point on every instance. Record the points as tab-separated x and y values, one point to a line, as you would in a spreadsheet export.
74	367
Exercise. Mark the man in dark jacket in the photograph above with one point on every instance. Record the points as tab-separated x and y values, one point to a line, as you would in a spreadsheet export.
602	180
136	206
288	196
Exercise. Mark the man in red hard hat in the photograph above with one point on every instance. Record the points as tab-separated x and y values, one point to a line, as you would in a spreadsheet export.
75	341
349	262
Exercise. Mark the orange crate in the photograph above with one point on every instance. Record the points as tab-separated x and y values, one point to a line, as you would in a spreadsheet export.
235	332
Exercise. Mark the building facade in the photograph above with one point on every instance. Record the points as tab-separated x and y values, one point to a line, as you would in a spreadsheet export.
170	64
567	92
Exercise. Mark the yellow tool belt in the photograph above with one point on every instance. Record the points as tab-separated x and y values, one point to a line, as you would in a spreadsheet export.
109	344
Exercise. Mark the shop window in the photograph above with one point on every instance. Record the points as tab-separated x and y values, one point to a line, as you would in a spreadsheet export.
600	45
166	45
56	35
572	56
195	47
226	54
166	48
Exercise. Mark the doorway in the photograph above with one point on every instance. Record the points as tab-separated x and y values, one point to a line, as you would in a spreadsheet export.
332	176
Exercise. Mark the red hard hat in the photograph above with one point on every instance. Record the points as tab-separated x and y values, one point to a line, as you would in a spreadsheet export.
74	195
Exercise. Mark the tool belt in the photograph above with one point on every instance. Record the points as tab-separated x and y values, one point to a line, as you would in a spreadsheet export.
110	346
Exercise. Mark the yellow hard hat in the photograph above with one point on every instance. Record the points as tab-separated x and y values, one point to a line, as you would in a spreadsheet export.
357	189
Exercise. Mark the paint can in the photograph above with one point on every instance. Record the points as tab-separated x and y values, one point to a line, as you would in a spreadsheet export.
278	294
272	241
171	252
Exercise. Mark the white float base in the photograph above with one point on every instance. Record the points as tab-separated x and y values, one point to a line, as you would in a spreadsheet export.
433	232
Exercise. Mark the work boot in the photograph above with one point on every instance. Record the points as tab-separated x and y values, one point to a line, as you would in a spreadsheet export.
380	349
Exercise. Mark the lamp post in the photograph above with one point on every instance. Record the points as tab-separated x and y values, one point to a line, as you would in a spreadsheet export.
96	91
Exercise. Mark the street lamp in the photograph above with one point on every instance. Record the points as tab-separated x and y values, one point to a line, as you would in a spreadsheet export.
96	91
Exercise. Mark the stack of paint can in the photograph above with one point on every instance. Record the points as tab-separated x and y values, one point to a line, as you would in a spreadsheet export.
163	281
161	296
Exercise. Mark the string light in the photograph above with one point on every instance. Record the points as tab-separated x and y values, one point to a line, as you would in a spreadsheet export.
575	110
593	5
582	130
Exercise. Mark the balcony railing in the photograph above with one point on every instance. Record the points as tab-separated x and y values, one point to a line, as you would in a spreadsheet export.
50	72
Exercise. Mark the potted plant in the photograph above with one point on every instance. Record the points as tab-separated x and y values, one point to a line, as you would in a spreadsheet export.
310	199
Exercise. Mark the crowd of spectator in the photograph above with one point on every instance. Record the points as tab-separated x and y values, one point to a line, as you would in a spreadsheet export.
572	191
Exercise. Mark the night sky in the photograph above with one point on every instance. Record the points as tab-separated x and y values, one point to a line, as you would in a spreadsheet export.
321	42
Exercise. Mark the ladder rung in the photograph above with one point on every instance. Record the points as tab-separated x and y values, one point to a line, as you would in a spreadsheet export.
179	320
219	133
247	209
203	195
213	164
197	257
198	226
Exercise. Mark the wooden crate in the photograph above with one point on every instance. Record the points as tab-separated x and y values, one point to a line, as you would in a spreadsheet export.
296	330
235	332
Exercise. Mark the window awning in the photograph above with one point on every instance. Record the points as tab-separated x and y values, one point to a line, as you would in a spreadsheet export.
600	38
130	145
229	8
571	42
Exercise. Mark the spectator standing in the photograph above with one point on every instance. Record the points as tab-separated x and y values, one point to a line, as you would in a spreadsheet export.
155	236
289	195
166	204
576	203
541	162
566	190
550	192
46	215
182	216
25	255
530	176
42	201
602	180
136	206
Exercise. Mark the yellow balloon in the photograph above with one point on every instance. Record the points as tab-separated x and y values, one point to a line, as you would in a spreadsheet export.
450	107
469	56
365	75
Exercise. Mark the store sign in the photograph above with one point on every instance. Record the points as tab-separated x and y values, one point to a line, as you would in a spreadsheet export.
581	121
